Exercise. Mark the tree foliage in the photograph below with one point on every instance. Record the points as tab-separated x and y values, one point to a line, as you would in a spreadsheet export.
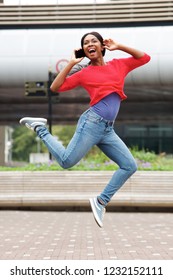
25	141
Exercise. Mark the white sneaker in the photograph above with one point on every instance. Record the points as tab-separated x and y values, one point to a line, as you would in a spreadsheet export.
31	123
98	211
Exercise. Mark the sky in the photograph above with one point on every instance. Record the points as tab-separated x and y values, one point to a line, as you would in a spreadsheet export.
44	2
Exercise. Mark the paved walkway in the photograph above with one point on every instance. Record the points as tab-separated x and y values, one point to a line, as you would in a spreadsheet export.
75	236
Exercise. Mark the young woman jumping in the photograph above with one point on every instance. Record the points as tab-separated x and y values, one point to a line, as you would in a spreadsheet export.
104	82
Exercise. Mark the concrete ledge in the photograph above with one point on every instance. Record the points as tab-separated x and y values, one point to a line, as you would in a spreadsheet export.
74	188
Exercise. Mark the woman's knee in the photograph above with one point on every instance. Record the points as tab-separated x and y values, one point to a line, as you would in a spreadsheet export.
133	166
65	164
130	166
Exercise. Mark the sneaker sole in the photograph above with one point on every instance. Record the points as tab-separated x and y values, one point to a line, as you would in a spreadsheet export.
95	213
23	120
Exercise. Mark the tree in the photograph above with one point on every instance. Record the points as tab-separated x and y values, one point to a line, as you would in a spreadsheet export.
24	143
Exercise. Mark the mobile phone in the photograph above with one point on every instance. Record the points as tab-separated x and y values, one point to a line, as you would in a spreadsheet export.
79	53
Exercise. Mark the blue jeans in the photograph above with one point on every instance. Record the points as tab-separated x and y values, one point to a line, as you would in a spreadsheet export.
93	130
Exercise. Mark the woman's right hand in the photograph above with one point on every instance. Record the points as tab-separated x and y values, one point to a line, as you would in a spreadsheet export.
60	78
74	59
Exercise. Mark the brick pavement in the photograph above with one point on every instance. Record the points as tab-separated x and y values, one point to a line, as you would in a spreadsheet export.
50	235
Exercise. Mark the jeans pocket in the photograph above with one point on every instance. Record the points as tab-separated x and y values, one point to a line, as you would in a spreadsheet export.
93	118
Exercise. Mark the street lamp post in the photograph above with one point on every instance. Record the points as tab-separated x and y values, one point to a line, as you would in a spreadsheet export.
42	89
49	105
49	101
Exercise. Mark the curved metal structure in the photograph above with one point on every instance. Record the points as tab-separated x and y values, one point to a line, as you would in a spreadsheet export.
28	54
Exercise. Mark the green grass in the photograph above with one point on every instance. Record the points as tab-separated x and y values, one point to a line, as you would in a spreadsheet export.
96	160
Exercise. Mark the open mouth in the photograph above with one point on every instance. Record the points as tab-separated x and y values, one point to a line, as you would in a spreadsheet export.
92	50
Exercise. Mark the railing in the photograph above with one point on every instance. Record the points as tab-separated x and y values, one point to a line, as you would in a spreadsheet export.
122	11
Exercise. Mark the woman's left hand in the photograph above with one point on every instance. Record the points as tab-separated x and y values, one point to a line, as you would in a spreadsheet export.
110	44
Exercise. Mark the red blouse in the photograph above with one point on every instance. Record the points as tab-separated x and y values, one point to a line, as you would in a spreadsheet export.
100	81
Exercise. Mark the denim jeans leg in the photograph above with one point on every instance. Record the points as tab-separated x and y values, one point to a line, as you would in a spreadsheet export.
84	138
117	151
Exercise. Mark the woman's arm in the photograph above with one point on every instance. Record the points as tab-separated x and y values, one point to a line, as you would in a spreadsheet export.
111	45
60	78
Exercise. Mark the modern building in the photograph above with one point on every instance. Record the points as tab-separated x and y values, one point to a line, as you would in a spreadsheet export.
38	39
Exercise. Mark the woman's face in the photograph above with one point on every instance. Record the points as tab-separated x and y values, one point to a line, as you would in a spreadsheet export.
92	47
